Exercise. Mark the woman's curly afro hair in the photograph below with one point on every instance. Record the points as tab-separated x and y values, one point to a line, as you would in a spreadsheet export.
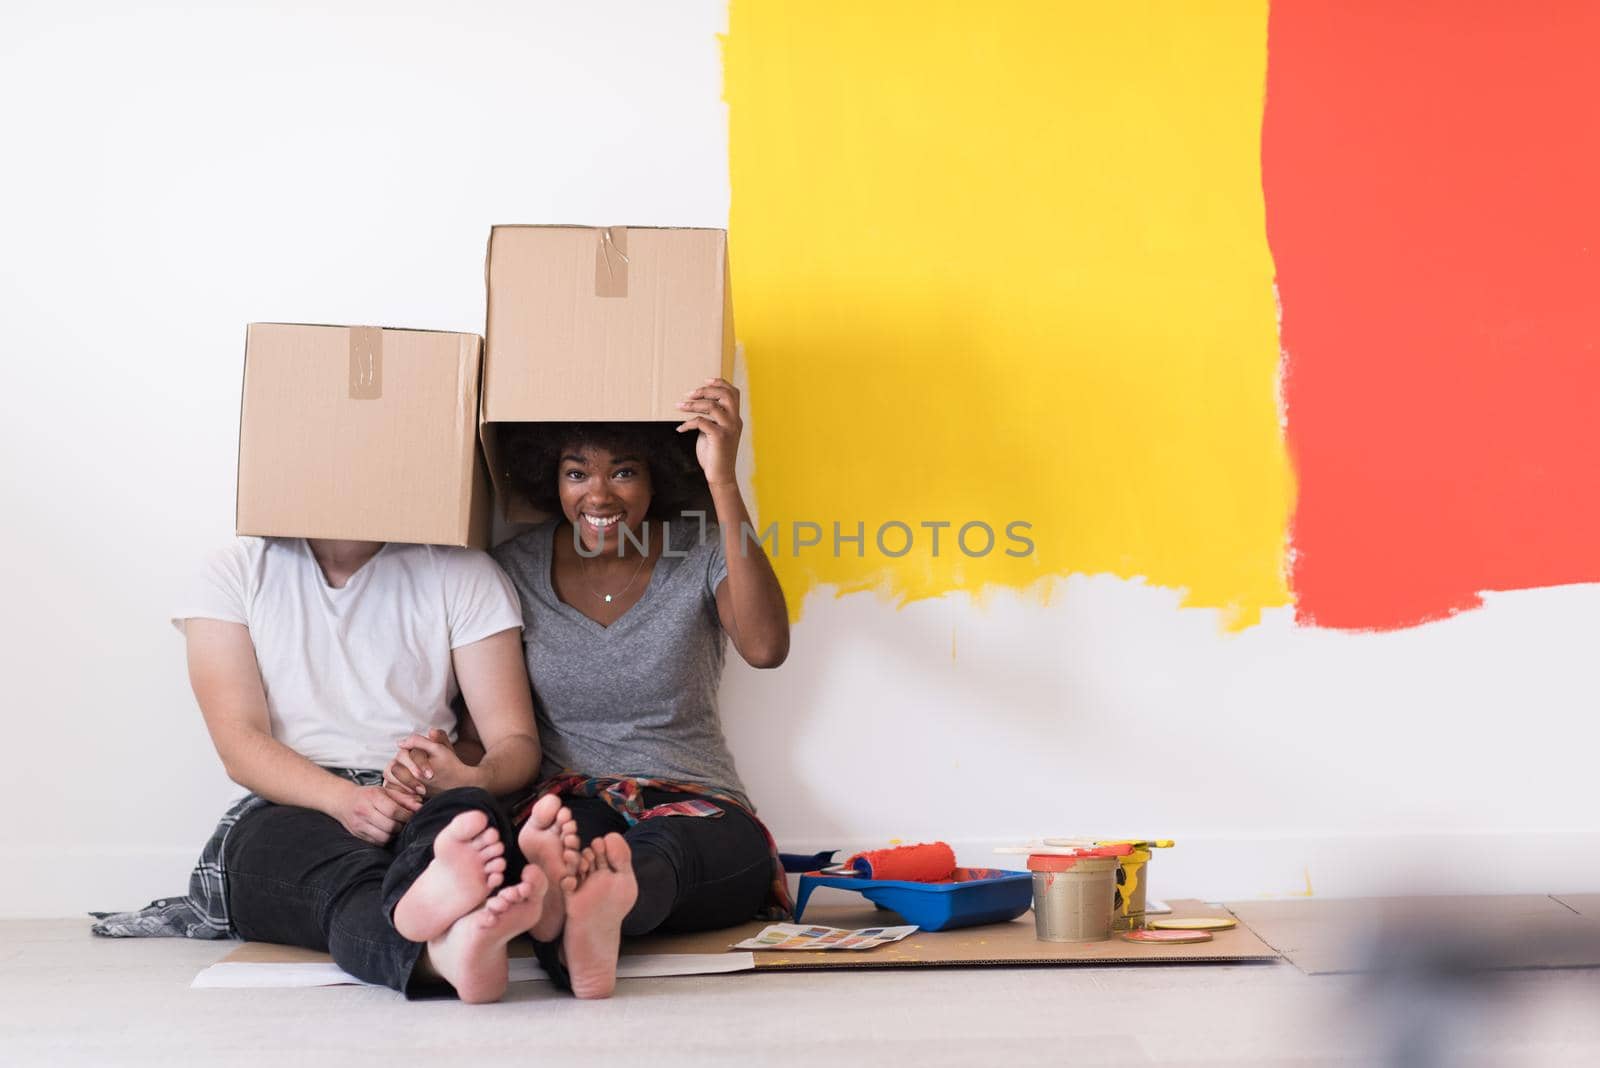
532	455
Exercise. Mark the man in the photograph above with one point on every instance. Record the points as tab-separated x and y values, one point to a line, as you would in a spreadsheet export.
310	659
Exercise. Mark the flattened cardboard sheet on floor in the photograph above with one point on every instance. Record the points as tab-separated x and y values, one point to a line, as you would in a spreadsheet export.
1005	944
1332	935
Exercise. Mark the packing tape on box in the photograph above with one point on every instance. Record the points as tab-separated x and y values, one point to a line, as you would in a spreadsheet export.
611	262
366	362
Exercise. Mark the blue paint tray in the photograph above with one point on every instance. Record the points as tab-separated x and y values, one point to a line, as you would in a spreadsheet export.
973	896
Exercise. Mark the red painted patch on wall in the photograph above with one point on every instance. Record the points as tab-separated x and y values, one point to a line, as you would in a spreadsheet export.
1432	180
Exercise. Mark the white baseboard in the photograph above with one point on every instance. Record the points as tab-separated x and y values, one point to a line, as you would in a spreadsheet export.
47	881
50	881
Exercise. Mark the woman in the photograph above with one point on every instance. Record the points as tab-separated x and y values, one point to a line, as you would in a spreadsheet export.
308	659
626	611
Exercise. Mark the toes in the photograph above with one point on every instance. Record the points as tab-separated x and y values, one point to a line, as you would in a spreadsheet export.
468	825
495	865
618	853
490	836
569	861
493	849
569	884
545	811
494	879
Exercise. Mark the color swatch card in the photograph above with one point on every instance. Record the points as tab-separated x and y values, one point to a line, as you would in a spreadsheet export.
799	936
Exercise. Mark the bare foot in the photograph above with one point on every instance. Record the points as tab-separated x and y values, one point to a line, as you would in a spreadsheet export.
549	840
468	863
471	955
596	905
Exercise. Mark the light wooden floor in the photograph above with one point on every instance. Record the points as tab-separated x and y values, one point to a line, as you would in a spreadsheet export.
67	999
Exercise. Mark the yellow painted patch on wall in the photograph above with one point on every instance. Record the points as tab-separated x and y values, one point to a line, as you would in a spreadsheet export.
1009	263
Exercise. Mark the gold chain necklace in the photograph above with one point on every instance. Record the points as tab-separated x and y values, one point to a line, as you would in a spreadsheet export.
583	565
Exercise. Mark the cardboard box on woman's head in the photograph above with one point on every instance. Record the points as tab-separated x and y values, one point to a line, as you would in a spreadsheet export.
362	433
599	324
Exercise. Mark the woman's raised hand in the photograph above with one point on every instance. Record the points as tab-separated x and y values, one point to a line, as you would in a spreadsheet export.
716	408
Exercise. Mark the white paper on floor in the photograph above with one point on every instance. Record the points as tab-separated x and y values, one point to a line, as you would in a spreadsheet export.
244	974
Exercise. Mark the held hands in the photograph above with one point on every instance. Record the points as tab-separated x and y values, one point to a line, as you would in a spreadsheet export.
427	765
716	408
374	813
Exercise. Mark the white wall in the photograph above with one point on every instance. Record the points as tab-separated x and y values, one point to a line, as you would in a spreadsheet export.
175	173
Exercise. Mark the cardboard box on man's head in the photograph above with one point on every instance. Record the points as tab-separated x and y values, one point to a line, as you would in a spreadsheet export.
361	433
599	324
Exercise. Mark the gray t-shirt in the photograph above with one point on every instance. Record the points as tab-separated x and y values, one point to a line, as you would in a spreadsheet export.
637	699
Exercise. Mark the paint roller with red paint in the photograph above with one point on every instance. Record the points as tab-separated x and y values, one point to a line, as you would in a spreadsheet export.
929	862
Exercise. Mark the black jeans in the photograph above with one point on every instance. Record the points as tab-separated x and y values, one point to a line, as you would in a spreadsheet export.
695	873
297	877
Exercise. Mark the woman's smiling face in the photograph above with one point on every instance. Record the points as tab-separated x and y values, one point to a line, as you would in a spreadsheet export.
601	492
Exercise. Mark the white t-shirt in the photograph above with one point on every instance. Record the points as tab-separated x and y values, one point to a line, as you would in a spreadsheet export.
351	671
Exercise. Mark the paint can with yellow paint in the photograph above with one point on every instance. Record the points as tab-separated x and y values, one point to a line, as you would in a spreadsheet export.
1130	891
